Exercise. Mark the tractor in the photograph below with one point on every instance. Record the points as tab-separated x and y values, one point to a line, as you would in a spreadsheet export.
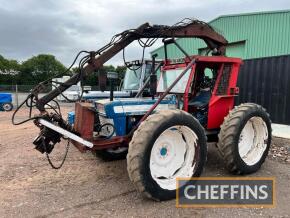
136	74
6	102
164	135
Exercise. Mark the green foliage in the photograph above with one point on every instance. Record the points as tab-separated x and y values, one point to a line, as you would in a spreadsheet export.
42	67
121	70
9	71
92	79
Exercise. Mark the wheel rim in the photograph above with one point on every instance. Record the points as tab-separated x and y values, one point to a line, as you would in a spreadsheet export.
6	107
173	155
253	140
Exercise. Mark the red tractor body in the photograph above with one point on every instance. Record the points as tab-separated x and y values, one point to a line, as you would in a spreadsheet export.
224	87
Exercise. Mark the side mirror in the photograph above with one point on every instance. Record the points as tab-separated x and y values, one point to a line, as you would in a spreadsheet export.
112	76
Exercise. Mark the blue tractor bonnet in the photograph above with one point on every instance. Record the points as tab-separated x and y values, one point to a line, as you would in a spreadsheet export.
5	98
120	109
132	106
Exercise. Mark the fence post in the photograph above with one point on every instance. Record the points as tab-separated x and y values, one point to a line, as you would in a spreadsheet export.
16	95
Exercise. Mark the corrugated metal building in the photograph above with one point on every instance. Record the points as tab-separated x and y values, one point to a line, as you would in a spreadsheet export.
250	35
263	41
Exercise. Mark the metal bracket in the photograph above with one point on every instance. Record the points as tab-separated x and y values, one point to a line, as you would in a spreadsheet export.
65	133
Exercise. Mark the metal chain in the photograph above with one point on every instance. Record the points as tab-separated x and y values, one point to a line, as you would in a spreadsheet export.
64	157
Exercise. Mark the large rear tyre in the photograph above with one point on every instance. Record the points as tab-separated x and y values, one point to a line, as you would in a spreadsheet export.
245	138
167	145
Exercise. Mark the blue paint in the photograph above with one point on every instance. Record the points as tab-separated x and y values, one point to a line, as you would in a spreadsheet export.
120	125
163	151
5	98
109	105
71	117
121	120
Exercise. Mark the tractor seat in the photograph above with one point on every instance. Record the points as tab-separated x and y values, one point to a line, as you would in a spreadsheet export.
201	100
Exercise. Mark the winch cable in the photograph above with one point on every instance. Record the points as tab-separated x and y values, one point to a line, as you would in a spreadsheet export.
82	62
30	103
30	99
153	37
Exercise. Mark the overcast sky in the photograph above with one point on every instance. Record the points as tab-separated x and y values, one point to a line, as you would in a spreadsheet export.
63	27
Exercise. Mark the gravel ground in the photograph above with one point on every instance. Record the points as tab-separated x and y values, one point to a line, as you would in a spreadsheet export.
280	150
89	187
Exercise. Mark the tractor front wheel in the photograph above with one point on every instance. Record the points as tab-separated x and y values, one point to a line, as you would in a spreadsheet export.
167	145
7	106
245	138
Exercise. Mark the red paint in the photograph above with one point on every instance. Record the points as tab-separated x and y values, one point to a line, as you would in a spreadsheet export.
84	119
188	87
113	142
219	106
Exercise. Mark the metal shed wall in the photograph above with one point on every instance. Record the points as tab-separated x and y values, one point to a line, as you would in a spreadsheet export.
266	81
264	33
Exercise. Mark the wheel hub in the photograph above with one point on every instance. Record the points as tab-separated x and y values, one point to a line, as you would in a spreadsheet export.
6	107
172	156
253	140
163	151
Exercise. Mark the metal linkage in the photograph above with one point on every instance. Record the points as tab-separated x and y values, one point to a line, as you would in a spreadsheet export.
183	29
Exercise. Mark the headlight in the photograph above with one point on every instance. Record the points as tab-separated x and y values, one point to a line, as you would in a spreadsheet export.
107	128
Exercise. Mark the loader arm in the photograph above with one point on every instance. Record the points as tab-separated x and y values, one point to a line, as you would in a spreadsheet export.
195	29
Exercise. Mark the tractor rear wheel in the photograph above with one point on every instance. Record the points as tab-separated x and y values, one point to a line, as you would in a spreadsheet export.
245	138
167	145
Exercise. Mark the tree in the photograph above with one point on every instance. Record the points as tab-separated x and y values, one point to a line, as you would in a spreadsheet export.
9	70
40	68
92	79
45	66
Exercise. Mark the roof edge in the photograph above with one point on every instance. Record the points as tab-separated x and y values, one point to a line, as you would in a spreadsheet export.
250	13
